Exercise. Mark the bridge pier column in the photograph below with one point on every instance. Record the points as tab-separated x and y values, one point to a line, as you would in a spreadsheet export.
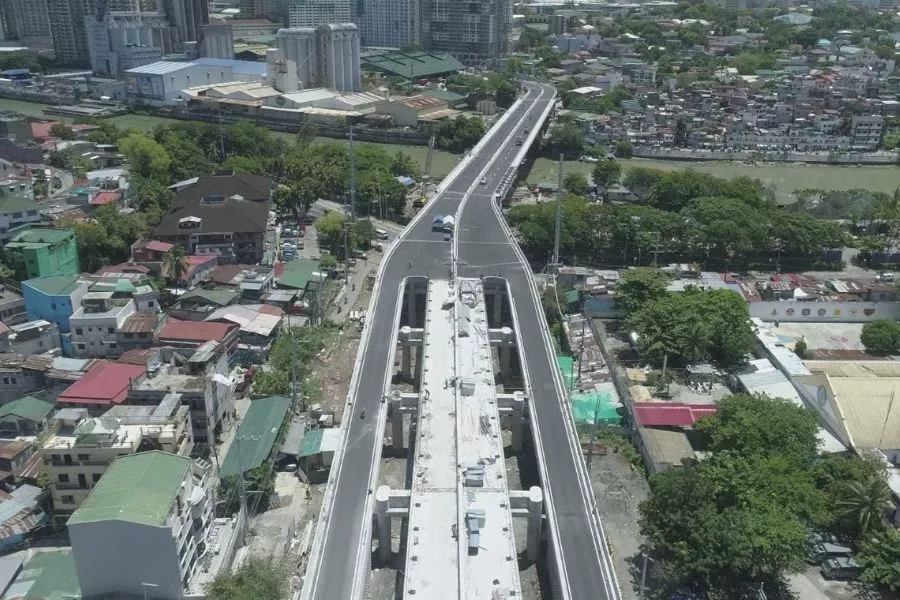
397	422
406	352
518	421
383	522
535	508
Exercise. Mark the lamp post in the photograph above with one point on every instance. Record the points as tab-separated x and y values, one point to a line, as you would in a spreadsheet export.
144	587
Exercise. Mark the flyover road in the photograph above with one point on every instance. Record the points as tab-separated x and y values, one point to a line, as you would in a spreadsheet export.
338	559
485	248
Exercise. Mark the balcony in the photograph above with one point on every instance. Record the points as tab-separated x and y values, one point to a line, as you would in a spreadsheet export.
71	486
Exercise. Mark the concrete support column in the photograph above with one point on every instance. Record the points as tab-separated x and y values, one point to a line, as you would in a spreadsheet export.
383	522
505	351
411	304
405	353
420	353
498	306
397	421
518	421
535	508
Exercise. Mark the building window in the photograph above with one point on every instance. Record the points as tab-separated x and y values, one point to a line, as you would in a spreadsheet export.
80	346
96	477
84	457
110	330
68	499
55	457
79	331
63	478
53	305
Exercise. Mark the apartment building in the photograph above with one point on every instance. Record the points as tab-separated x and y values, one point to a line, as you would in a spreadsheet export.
146	528
82	448
31	22
95	325
312	13
473	32
67	22
866	131
387	23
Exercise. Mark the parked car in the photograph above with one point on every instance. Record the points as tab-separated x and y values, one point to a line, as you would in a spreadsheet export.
841	567
824	550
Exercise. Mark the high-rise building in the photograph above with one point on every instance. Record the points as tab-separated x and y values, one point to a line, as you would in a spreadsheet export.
312	13
120	41
188	17
387	23
217	41
275	10
67	22
29	21
473	32
306	57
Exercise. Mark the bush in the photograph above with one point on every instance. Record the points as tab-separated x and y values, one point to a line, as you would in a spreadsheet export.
800	348
881	337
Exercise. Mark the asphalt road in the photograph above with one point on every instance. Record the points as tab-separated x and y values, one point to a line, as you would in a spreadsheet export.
484	249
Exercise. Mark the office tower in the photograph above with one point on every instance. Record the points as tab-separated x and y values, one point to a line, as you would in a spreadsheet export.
306	57
473	32
67	22
387	23
274	10
312	13
29	21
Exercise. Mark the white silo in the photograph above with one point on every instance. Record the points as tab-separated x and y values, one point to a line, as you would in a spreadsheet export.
297	50
338	45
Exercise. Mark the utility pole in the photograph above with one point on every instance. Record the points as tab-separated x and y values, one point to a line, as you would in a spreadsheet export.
559	192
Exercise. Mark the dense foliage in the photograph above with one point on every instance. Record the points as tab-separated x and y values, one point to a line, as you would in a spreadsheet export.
639	286
881	337
741	517
693	326
256	578
681	216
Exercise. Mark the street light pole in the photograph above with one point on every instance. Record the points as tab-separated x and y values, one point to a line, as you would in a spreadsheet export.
144	587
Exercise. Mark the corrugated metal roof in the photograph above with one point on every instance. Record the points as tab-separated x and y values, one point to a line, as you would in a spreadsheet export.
866	407
293	442
256	435
250	318
162	67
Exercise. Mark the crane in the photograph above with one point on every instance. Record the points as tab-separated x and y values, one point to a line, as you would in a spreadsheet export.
426	176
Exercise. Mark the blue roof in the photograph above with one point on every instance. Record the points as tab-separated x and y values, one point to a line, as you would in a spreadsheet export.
407	181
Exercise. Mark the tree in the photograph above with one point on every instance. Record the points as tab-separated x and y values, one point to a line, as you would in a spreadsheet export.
534	225
565	139
330	232
457	135
881	336
624	149
146	157
175	264
62	131
245	164
186	157
256	578
403	164
864	503
836	476
879	556
640	180
639	286
607	172
576	183
760	426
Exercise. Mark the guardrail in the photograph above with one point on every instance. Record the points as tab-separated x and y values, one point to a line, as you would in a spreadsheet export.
586	490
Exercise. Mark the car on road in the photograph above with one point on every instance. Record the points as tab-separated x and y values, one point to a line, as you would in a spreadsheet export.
483	180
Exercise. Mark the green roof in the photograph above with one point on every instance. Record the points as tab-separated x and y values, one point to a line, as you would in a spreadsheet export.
445	95
28	407
218	296
54	285
297	273
138	488
17	203
411	64
572	296
46	576
312	441
256	435
28	236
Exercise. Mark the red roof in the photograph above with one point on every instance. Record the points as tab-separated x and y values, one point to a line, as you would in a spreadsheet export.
157	246
195	331
3	328
122	268
671	414
104	383
101	198
279	269
40	130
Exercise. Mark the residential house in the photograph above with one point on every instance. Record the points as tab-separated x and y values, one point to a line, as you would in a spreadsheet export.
198	304
408	111
21	515
17	207
14	455
96	325
202	384
55	299
258	327
22	374
33	337
82	448
191	335
139	331
254	441
105	384
41	251
26	416
161	507
223	215
12	306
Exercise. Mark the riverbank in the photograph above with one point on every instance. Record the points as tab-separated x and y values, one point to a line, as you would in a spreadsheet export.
784	178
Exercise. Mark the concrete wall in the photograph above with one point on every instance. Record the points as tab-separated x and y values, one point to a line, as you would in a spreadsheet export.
117	557
821	312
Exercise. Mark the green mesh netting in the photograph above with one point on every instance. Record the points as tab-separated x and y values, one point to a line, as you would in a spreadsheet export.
597	408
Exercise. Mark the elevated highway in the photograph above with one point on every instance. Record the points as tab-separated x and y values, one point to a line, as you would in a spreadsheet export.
339	557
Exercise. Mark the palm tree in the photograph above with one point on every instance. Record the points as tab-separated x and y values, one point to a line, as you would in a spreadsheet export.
865	503
175	263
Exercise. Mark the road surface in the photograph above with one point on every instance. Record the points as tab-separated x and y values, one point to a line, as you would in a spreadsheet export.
484	249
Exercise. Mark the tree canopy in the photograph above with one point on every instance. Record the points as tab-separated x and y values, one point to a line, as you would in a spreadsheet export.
256	578
881	336
639	286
